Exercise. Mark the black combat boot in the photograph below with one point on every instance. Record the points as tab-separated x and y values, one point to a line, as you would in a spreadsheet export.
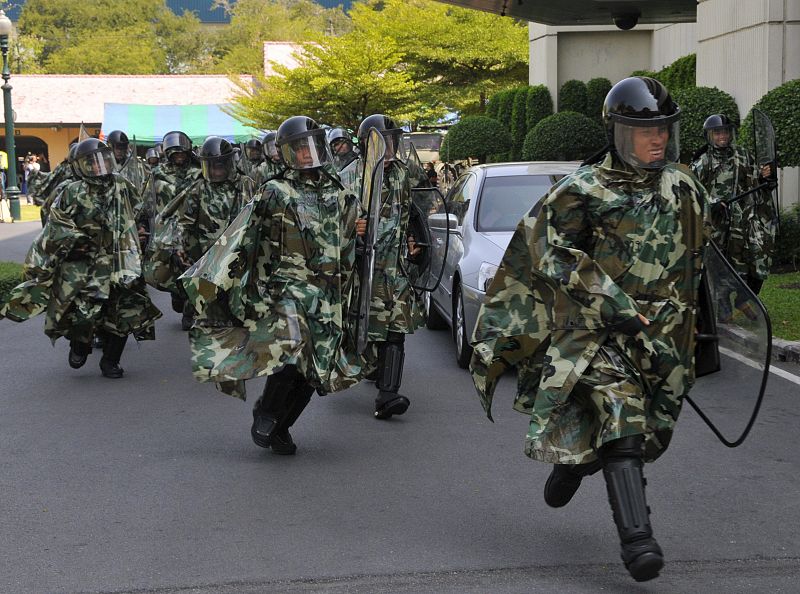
622	469
113	346
390	372
187	319
564	480
271	408
78	353
281	440
177	303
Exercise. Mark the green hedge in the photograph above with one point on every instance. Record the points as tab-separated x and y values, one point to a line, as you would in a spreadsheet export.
564	136
10	277
596	91
787	246
475	136
539	105
518	123
782	105
681	74
572	96
696	104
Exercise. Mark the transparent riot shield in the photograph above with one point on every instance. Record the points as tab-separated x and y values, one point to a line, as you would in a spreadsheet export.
734	320
419	179
371	186
765	148
429	225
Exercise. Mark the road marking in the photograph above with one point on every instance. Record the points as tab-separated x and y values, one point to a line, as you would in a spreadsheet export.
776	370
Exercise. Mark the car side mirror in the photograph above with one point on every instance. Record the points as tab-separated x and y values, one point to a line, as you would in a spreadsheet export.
442	222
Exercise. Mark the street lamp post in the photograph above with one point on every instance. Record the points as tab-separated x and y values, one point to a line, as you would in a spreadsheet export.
12	191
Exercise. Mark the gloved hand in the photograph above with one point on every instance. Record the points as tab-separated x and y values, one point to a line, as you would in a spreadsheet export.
632	326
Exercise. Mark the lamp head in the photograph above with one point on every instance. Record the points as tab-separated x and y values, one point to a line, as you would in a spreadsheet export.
5	25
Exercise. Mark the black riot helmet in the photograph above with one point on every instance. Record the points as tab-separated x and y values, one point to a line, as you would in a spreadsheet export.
217	158
391	132
641	121
302	143
94	161
269	147
118	141
152	157
176	144
253	150
719	130
73	151
339	141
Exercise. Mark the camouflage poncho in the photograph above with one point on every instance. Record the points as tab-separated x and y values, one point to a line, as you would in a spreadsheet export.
191	223
135	171
265	171
274	289
746	233
84	268
608	243
165	182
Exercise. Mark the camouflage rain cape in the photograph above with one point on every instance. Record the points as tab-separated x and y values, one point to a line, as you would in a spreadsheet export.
135	171
265	171
99	286
275	287
609	242
164	183
746	232
191	223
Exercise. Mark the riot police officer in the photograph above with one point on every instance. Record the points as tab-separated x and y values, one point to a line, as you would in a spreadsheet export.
295	245
128	164
595	305
342	148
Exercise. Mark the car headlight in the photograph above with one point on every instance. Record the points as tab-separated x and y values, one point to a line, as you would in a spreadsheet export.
486	275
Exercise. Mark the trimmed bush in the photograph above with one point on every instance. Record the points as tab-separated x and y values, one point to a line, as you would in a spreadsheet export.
596	91
564	136
681	74
475	136
787	246
10	277
505	104
572	96
492	105
697	103
518	129
539	105
782	106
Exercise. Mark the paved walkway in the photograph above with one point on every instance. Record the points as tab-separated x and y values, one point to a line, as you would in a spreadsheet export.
16	238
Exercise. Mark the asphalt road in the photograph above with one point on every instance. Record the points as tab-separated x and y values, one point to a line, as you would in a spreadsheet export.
151	483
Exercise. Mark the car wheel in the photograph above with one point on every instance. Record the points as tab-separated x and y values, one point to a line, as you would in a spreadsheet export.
433	319
463	348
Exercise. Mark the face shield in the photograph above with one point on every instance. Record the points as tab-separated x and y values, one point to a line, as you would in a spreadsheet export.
721	137
218	169
178	157
341	146
254	154
309	151
97	166
647	144
394	145
271	150
120	152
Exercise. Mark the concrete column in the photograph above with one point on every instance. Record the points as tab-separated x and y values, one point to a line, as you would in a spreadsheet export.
543	58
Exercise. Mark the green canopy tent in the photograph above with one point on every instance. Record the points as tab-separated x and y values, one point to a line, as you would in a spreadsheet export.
149	123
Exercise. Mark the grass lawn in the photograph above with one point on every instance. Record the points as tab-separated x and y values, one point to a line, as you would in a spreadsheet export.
29	212
10	277
781	296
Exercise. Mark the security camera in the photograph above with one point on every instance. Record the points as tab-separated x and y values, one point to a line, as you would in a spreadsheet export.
626	21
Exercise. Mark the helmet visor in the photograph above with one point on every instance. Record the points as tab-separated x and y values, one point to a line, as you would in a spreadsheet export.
394	146
721	137
218	169
306	152
650	144
271	149
254	153
97	164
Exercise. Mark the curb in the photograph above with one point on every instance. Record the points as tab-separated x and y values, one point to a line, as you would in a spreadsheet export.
785	350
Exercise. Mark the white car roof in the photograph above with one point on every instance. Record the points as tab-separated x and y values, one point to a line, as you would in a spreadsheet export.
529	168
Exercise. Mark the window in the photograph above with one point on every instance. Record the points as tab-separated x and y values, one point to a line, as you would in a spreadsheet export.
504	200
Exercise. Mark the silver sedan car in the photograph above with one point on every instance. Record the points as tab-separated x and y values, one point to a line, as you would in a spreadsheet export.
485	205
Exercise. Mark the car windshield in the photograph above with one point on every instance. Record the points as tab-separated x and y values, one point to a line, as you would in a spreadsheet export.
424	142
504	200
